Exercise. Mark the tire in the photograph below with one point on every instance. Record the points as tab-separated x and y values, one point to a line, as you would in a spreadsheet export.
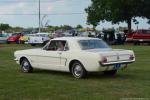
17	42
110	73
25	66
21	42
33	44
135	43
78	70
8	42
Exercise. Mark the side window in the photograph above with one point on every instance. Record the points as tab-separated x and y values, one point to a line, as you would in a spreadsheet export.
61	45
57	46
52	46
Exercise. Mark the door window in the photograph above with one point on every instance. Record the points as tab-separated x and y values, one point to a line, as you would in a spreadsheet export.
57	46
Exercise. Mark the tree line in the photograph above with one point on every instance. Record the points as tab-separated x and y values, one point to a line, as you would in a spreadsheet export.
8	28
117	11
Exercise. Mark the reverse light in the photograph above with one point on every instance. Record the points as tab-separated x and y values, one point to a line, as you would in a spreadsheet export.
104	60
131	57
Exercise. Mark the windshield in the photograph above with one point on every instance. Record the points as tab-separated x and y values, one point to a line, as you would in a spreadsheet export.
92	44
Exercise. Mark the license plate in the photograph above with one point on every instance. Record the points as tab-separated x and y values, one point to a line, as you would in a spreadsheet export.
117	66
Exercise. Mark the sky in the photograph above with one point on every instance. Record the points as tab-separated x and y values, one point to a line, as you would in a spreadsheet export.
24	13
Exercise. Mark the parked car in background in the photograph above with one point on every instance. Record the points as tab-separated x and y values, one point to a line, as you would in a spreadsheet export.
87	34
39	38
25	38
68	34
139	36
3	37
57	34
120	38
14	38
77	55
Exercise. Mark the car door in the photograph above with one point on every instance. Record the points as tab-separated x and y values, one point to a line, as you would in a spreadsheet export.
49	57
64	55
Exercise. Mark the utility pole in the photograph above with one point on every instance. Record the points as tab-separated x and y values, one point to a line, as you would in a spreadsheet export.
39	16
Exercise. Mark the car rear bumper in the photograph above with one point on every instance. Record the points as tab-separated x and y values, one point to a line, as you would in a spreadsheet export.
113	63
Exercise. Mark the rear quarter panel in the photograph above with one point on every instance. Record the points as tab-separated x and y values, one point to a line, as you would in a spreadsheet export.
90	61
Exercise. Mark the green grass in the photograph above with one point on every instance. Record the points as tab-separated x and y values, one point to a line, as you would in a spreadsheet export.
133	82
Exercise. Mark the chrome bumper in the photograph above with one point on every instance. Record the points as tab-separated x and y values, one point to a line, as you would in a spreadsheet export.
113	63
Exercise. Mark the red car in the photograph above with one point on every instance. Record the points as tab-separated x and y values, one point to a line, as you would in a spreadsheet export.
14	37
139	36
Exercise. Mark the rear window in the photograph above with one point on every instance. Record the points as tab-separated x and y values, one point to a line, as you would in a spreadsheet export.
92	44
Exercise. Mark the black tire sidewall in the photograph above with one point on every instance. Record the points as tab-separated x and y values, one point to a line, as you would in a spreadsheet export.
84	73
33	44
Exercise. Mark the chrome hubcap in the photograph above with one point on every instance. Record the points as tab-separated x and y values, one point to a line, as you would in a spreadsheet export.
25	66
78	70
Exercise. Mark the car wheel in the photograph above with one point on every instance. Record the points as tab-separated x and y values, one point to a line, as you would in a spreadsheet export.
135	43
33	44
78	70
17	41
8	42
110	73
25	66
23	42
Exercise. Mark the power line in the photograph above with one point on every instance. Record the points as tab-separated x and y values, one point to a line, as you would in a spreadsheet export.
28	1
32	1
43	14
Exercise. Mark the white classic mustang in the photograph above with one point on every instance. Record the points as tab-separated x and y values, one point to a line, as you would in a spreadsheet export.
77	55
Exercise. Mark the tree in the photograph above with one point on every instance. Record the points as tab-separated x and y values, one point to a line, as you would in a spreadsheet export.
79	26
17	29
4	27
117	11
66	27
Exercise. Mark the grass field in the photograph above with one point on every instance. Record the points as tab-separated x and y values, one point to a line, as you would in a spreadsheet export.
133	82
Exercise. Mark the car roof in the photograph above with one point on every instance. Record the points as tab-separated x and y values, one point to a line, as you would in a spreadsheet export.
75	38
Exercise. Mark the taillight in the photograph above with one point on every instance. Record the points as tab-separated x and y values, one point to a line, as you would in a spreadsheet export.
131	57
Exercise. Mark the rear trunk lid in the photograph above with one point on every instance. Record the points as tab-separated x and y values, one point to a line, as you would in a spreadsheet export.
114	55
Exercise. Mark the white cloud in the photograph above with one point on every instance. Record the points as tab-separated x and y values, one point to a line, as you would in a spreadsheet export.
53	6
28	7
